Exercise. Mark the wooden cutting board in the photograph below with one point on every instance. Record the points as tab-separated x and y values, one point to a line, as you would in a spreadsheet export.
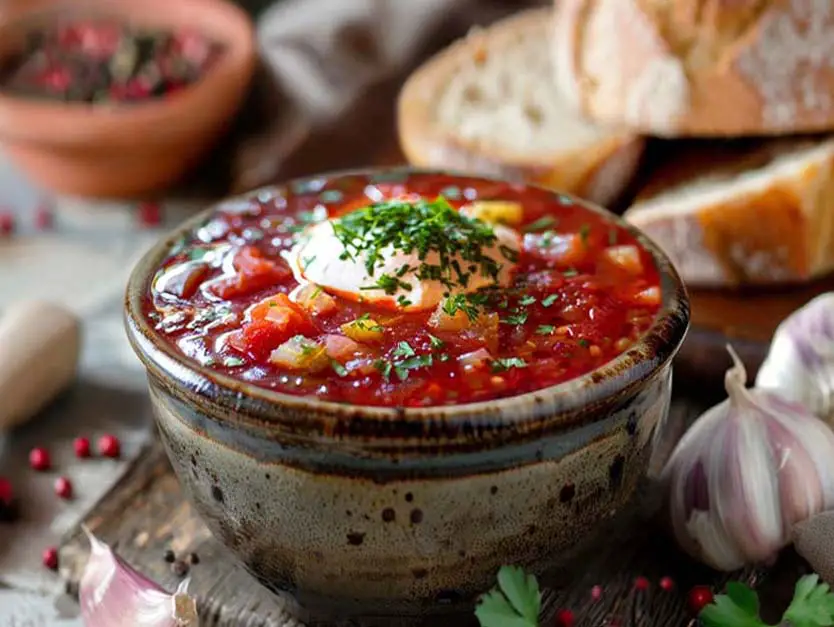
746	319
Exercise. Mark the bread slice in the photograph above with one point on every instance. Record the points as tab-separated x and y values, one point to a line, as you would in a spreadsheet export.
731	214
679	68
489	104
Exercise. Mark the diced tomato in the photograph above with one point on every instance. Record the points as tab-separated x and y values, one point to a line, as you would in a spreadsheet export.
270	323
254	273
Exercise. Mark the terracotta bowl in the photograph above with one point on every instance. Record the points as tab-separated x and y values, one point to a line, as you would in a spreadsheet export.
130	150
372	512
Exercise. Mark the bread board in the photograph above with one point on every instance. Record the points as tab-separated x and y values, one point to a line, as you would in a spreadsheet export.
746	319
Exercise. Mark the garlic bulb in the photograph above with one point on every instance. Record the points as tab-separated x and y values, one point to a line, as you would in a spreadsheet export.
800	362
112	594
745	472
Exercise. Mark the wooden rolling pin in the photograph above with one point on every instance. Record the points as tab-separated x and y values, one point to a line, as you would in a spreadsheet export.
39	347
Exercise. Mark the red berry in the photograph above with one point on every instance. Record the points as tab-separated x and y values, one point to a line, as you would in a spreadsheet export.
641	584
667	584
6	492
564	618
109	446
150	214
699	597
50	558
63	487
39	459
6	223
596	593
43	218
82	447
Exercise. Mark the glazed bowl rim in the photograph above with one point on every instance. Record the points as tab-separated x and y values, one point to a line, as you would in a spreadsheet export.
49	119
655	348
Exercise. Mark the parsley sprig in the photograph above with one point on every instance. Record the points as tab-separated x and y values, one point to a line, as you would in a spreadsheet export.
515	602
812	606
424	226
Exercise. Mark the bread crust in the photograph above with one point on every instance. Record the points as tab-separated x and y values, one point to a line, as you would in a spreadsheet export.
776	230
677	68
598	171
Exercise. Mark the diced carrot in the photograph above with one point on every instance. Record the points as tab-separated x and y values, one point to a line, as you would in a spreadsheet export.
269	323
254	273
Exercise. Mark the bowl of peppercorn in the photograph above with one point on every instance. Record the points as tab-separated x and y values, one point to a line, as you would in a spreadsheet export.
113	98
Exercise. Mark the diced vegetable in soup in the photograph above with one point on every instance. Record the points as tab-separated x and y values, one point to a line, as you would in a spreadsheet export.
421	291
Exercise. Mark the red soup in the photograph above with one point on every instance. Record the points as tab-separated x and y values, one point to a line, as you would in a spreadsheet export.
402	289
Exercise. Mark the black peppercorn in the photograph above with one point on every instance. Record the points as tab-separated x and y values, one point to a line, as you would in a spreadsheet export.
169	556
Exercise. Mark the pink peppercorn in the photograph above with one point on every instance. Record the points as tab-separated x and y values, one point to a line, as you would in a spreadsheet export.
6	223
63	487
43	218
150	214
50	558
109	446
698	598
641	584
596	593
39	459
564	618
82	447
6	492
667	584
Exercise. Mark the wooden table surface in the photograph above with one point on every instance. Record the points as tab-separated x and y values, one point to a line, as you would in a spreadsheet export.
146	513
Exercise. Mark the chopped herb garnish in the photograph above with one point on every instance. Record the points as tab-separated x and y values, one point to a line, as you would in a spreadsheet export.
384	368
545	329
527	300
436	342
403	350
419	361
307	261
570	272
584	343
549	300
443	357
232	362
315	293
516	318
402	301
338	368
584	233
542	223
422	226
502	365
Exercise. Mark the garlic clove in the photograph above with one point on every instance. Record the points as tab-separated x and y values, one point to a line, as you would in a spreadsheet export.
800	362
745	472
111	594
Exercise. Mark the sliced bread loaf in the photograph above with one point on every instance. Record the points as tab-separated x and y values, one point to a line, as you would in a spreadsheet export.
731	214
489	104
679	68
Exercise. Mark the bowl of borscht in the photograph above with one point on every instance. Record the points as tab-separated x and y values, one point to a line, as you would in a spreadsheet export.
378	387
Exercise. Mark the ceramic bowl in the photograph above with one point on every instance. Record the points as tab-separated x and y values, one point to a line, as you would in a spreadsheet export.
130	150
367	511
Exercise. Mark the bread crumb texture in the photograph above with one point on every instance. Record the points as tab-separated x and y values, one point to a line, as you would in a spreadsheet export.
704	67
502	95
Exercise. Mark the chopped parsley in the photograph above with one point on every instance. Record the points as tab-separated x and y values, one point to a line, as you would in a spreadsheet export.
549	300
307	262
570	272
541	224
527	300
545	329
584	233
338	368
423	226
502	365
436	342
584	343
232	362
403	367
404	350
517	318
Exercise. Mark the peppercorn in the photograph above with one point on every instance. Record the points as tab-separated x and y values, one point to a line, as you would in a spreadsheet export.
169	556
641	584
50	558
109	446
82	447
667	584
564	618
39	459
63	487
193	559
6	222
699	597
